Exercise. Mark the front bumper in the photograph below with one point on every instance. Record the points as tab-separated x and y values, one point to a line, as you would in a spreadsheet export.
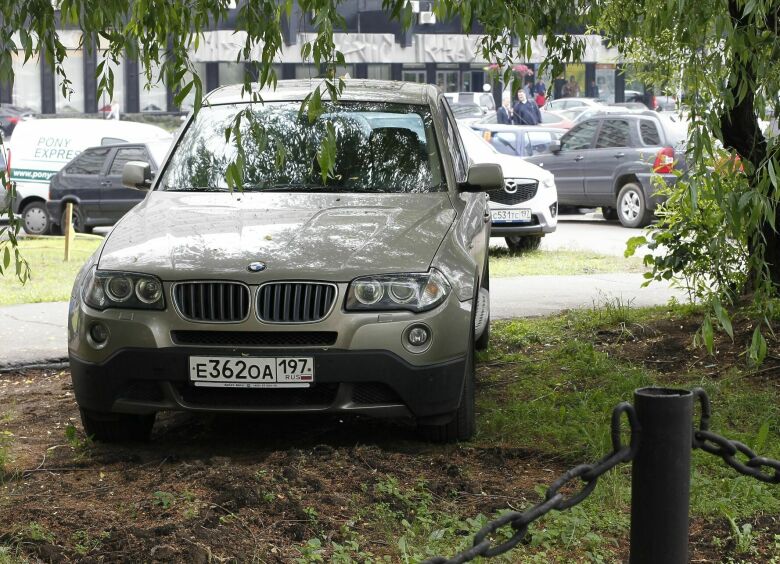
544	216
362	366
375	383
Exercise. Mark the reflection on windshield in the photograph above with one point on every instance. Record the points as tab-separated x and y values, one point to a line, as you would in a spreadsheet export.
379	148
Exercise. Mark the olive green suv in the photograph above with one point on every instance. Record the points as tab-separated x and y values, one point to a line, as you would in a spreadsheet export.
362	290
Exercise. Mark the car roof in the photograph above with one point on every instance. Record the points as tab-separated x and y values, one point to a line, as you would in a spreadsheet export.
355	90
510	127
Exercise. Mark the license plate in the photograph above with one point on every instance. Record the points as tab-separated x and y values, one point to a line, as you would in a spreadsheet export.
251	372
500	216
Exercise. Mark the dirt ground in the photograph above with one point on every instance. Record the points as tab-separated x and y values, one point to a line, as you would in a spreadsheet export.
244	488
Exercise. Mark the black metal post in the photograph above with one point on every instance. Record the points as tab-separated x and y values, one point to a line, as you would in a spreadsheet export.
661	477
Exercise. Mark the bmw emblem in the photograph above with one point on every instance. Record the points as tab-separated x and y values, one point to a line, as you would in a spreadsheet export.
256	266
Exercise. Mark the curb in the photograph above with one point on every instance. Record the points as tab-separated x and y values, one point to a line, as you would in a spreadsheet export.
46	364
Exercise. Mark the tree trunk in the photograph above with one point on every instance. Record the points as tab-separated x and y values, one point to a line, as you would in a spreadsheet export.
742	133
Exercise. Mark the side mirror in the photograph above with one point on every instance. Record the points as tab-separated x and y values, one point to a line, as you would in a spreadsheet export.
137	175
483	176
555	146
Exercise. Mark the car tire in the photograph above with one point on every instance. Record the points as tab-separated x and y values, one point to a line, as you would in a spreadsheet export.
116	427
609	213
78	221
632	207
482	342
522	244
35	219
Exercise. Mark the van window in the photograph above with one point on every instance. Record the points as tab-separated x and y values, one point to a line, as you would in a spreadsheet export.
89	162
124	156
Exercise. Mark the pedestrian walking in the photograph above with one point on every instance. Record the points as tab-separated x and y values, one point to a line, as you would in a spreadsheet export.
526	112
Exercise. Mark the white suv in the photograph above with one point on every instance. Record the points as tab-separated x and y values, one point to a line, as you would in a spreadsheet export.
526	208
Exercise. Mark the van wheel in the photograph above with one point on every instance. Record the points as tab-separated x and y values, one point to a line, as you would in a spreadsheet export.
35	219
632	206
78	221
521	244
116	427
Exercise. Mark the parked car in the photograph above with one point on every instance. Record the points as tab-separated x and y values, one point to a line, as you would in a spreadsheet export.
467	113
366	293
525	208
10	116
612	160
41	147
93	183
549	119
519	140
482	99
569	103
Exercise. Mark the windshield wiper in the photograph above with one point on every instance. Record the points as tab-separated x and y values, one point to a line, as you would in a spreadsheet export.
296	187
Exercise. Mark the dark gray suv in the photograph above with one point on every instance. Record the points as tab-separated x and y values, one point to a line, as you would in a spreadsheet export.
611	160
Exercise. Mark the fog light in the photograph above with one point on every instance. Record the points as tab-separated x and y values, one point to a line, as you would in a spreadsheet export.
99	333
418	336
554	209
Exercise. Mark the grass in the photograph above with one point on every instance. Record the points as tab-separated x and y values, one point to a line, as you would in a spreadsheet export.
547	388
562	263
51	279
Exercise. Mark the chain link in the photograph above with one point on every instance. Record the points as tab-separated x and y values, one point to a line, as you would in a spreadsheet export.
588	474
713	443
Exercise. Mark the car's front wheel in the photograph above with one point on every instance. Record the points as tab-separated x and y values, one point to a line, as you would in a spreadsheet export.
632	206
521	244
35	219
116	427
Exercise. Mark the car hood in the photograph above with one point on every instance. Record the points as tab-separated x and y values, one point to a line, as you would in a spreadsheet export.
334	237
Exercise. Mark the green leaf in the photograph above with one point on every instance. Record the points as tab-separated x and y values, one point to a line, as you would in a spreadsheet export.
633	244
763	434
757	349
723	319
707	335
6	257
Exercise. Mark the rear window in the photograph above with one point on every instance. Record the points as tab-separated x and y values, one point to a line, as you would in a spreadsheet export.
89	162
649	133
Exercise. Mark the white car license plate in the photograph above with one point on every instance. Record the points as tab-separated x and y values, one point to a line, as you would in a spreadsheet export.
251	372
502	216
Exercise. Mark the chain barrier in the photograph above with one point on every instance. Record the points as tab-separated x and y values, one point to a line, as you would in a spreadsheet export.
718	445
553	499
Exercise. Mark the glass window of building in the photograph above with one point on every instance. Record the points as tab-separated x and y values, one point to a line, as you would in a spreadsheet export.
605	83
379	72
472	80
414	75
306	71
189	100
105	101
447	80
154	96
27	83
72	102
231	73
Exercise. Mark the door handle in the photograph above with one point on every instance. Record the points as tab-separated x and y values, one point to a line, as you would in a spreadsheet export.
578	158
619	155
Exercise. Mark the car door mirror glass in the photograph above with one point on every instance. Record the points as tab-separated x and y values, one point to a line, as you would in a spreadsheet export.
483	176
137	175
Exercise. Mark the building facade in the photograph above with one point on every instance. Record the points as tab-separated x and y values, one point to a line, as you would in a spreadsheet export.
373	47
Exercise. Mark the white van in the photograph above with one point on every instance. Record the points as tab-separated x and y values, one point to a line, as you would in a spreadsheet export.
40	148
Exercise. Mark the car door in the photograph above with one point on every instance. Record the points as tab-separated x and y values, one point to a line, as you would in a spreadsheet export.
81	181
115	199
613	149
566	164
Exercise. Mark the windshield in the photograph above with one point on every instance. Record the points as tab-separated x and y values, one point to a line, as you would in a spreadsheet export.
380	147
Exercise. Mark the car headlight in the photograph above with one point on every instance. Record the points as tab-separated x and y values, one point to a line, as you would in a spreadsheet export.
413	292
548	182
105	289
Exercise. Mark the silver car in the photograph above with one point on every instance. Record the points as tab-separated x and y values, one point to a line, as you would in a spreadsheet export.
363	293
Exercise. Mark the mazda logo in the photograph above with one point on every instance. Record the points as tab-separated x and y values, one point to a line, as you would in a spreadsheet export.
510	188
256	266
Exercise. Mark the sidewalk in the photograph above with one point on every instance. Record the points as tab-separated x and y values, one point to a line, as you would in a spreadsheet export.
37	333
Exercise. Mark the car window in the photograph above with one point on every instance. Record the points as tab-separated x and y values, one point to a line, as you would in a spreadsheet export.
580	136
540	142
89	162
649	133
124	156
380	147
504	142
456	147
614	133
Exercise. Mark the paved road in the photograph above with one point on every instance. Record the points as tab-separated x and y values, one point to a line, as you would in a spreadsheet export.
36	333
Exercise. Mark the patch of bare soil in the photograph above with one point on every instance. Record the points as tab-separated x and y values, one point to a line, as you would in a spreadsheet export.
209	489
